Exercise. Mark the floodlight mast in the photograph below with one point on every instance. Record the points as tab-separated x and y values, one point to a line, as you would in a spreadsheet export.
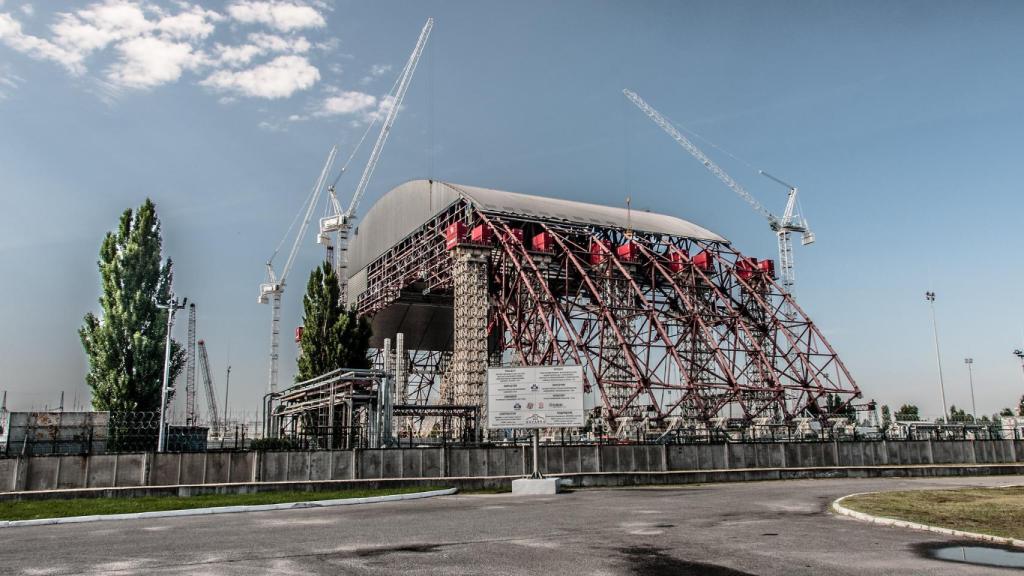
271	290
340	222
791	221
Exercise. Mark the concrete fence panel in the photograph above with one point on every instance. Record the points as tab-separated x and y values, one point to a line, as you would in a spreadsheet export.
371	463
274	467
681	457
390	463
101	471
218	467
241	466
72	472
572	459
9	474
320	465
163	469
193	468
432	462
42	473
130	469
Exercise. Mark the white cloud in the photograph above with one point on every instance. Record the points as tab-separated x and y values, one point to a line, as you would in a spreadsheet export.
258	45
9	81
279	78
27	10
14	38
384	106
147	62
99	25
346	103
283	16
193	23
380	69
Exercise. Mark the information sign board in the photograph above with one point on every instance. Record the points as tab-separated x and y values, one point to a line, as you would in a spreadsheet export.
535	397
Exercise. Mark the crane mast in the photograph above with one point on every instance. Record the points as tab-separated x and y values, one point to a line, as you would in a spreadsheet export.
790	221
273	288
341	222
190	369
211	399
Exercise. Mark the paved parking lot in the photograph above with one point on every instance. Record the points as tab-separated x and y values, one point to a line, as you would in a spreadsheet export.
762	528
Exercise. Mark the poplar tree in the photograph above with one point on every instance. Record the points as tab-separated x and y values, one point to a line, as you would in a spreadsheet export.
332	336
125	344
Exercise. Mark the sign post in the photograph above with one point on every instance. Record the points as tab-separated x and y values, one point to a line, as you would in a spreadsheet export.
535	397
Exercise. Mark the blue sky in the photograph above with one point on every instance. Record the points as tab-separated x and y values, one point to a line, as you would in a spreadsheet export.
900	122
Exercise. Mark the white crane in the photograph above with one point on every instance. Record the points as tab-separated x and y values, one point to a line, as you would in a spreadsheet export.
211	399
271	290
340	222
790	221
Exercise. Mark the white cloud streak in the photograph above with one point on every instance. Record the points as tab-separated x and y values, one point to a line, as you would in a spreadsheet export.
279	78
283	16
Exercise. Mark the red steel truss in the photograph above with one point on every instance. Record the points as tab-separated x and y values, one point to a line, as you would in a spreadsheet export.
664	326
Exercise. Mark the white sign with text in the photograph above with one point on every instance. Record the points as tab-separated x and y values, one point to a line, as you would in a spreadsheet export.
535	397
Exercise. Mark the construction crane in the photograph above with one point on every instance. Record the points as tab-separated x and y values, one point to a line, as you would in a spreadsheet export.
273	288
190	369
211	399
791	220
340	222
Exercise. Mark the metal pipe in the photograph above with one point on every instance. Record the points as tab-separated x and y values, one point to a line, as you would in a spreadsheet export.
171	307
930	296
970	375
536	455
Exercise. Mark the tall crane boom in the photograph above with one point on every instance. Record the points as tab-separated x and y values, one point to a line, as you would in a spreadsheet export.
697	153
341	222
791	221
273	288
211	398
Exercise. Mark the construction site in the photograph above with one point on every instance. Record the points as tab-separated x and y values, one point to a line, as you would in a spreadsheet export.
677	331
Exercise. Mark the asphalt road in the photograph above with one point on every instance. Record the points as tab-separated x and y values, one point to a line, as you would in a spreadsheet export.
762	528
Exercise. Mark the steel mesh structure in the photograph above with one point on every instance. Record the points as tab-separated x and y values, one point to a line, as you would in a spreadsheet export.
669	321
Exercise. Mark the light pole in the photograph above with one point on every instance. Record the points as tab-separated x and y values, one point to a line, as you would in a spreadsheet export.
172	306
970	376
930	297
1020	356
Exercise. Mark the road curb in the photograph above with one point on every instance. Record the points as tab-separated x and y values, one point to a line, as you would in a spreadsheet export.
226	509
838	508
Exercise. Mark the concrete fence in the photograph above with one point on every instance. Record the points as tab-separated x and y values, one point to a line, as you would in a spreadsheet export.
148	469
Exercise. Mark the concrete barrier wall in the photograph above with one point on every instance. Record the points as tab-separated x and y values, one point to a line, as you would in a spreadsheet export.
127	470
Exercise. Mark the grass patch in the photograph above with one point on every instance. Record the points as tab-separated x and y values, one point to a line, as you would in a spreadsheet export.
995	511
33	509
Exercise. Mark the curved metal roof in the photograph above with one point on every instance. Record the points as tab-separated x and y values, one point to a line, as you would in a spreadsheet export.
405	208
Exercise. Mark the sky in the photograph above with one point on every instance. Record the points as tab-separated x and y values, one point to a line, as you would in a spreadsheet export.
899	121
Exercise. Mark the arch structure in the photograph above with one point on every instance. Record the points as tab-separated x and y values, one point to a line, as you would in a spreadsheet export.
669	321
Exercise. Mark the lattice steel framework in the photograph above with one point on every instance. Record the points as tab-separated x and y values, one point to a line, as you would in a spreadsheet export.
665	326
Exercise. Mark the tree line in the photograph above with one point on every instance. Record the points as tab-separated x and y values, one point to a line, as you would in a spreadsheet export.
125	342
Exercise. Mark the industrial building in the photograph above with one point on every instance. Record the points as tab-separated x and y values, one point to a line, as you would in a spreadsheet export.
673	326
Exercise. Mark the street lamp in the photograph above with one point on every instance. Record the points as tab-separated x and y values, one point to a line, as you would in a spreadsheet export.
930	297
970	375
172	306
1020	356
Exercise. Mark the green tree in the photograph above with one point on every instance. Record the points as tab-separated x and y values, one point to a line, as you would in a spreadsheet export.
125	345
886	416
332	336
957	415
907	413
837	408
1005	412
